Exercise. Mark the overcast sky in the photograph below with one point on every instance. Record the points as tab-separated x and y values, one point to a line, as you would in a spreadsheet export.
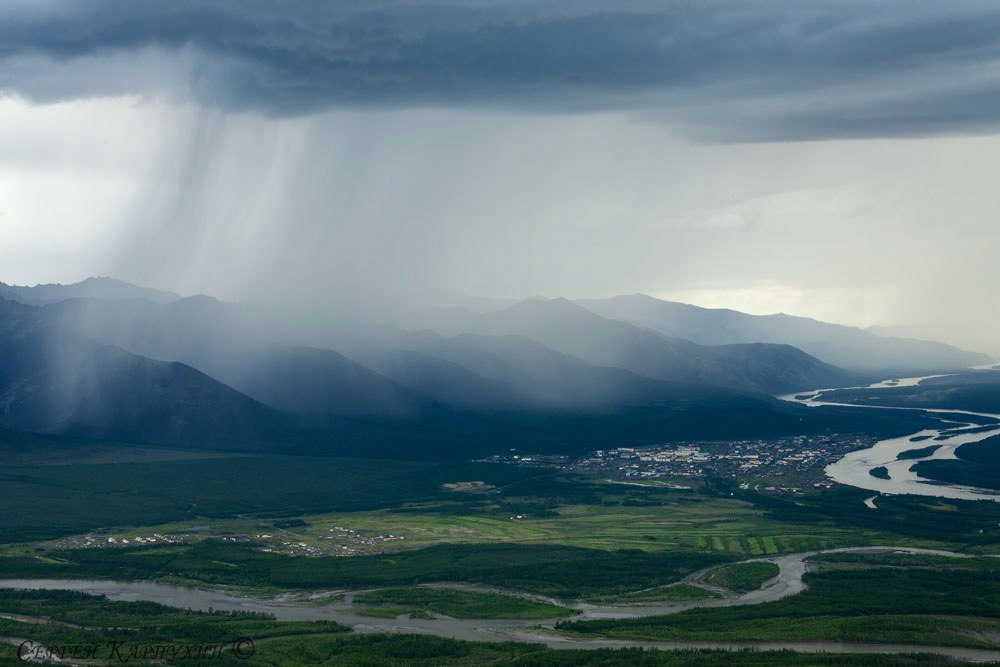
830	159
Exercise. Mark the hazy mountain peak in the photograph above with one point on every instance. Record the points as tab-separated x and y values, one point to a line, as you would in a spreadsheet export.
544	305
95	287
104	281
202	304
635	296
199	299
843	346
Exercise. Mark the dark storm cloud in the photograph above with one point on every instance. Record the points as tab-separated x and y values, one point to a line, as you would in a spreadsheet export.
715	70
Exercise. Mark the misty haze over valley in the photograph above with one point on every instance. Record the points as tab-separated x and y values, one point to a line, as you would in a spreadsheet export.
103	358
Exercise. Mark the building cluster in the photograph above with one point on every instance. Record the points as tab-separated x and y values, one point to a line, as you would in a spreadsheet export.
99	541
529	460
800	457
685	461
291	548
336	541
348	541
794	460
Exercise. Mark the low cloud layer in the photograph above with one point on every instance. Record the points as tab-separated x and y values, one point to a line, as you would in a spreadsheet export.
714	71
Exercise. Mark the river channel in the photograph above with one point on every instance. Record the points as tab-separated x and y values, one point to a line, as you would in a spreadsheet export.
854	469
307	607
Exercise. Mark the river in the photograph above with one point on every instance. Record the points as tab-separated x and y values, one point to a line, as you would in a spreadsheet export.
854	469
305	607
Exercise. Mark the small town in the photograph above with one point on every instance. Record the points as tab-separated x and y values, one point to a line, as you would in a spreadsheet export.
787	463
772	465
337	540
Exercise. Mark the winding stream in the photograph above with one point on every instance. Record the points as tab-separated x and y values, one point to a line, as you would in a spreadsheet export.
854	469
302	607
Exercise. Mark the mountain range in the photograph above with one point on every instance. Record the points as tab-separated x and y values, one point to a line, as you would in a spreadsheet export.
105	359
847	347
572	329
91	288
55	380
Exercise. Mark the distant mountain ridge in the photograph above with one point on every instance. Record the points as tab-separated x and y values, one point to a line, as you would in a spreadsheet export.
545	375
846	347
230	343
91	288
54	380
517	372
385	372
572	329
875	350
